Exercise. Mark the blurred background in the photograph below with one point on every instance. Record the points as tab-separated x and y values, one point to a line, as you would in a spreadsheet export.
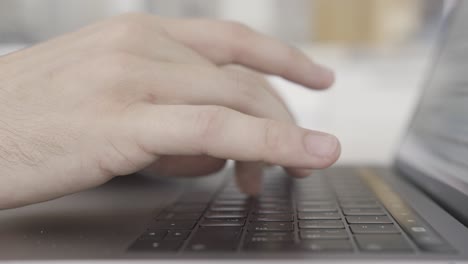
380	50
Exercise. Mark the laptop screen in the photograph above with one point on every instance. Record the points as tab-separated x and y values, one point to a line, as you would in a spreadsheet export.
437	142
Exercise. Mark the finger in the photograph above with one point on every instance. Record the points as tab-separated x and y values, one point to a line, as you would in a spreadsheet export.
295	172
243	183
226	134
203	86
233	43
185	166
249	177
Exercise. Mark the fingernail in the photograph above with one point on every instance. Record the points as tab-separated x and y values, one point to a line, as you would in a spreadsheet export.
324	74
321	145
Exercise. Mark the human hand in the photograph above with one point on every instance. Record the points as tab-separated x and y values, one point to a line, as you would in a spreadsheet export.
139	91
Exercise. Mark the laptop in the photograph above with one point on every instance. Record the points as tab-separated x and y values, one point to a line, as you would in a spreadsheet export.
415	210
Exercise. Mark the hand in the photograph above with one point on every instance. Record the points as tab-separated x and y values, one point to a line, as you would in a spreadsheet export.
139	91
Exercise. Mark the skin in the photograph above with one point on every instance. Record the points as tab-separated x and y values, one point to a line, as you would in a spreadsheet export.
139	92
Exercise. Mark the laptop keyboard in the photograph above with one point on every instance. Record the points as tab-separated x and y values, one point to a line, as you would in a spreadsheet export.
322	213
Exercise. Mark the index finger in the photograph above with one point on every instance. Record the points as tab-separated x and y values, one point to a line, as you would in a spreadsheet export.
233	43
225	133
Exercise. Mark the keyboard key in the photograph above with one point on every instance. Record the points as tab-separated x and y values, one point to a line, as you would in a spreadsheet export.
363	211
153	235
169	224
271	226
273	247
321	224
307	234
380	243
368	219
317	208
306	203
226	208
327	245
177	235
156	246
227	214
211	246
210	240
272	218
319	216
221	202
178	216
223	222
257	237
373	228
359	205
273	211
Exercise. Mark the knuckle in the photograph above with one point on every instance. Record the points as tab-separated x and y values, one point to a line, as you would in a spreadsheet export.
124	32
237	29
236	36
248	86
272	135
209	122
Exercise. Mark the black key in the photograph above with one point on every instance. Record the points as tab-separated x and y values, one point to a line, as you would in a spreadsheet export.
359	205
373	229
275	206
274	247
177	235
317	208
321	224
327	197
272	218
207	240
307	234
306	203
319	216
368	219
272	211
260	237
379	243
211	246
210	234
227	214
226	208
156	246
169	224
153	235
272	205
363	211
223	222
271	226
220	228
327	245
178	216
